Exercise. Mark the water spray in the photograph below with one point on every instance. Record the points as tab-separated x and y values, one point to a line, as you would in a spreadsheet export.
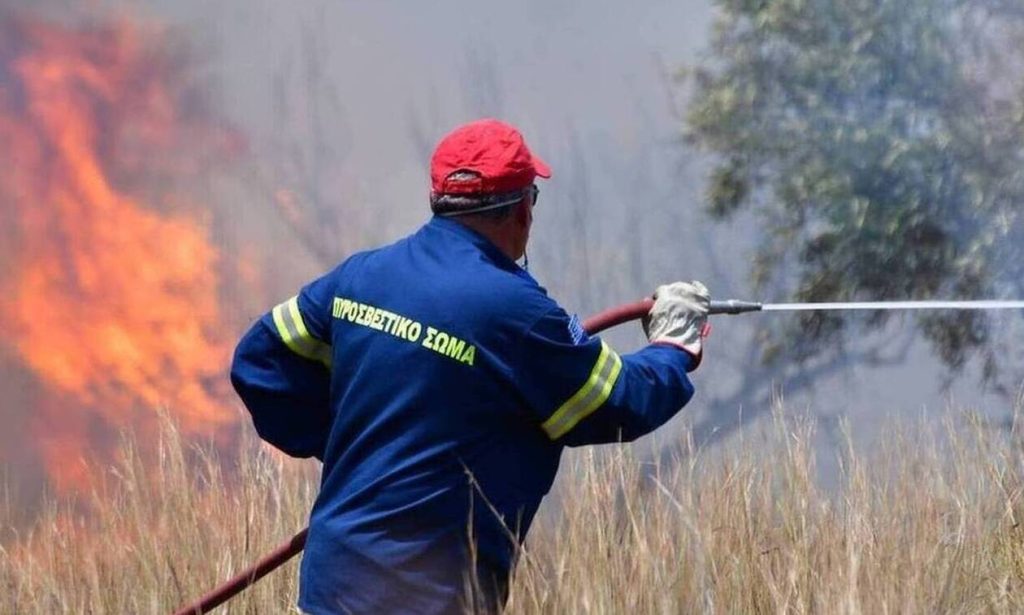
733	306
639	309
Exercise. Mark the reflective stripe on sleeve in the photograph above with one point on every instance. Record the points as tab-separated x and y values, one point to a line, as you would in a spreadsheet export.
296	336
592	394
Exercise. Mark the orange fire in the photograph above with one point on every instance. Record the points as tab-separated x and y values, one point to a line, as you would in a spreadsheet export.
109	294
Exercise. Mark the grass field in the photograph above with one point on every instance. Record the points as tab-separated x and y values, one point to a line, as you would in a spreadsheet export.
930	522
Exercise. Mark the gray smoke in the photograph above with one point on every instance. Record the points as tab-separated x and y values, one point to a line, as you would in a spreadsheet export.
342	103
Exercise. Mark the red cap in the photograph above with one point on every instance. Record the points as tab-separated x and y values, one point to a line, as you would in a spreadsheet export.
490	149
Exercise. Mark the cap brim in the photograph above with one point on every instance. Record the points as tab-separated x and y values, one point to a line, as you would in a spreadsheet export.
541	168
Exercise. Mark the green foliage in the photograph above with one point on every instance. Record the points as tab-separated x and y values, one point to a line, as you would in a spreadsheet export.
879	142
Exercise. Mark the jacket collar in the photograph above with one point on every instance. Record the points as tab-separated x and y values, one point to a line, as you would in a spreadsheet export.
482	243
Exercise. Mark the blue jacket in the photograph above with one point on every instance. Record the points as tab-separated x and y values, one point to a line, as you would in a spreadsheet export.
438	383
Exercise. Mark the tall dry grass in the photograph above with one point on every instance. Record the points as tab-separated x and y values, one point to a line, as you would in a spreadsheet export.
160	532
929	522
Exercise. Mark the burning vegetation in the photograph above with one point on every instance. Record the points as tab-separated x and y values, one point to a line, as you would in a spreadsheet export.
110	280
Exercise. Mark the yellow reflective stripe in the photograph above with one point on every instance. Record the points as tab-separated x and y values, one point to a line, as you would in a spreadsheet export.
300	325
296	336
282	330
594	392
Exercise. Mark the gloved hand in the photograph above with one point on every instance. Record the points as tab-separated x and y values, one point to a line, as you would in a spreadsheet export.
680	318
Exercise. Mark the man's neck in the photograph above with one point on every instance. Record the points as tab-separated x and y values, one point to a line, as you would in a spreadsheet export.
496	233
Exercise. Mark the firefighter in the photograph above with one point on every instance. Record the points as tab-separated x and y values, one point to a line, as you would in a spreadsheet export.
438	383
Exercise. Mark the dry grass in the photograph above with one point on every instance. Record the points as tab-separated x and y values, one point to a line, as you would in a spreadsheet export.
928	524
150	541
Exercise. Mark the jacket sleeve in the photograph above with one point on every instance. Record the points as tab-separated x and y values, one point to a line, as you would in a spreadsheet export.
583	392
281	371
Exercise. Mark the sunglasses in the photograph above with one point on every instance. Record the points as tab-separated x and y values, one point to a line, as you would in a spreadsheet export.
533	190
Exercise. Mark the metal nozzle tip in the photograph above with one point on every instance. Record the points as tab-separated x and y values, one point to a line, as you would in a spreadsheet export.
733	306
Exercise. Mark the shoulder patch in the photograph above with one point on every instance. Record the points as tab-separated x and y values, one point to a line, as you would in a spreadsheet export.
576	331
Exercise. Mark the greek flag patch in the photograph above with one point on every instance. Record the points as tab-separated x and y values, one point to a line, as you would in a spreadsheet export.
576	331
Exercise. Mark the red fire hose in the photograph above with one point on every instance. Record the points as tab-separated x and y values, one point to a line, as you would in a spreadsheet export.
288	550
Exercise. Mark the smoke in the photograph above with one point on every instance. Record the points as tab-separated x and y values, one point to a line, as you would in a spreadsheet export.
340	104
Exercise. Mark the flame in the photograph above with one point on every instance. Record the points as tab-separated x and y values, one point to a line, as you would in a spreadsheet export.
110	299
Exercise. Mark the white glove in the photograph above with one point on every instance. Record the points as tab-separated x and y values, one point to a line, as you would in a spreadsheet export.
680	317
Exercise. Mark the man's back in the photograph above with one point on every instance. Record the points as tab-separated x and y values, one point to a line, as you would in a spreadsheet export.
427	419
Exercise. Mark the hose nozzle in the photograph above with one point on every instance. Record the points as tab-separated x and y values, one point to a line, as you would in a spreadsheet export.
733	306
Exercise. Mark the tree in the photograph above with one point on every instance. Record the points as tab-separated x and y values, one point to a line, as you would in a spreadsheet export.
879	143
